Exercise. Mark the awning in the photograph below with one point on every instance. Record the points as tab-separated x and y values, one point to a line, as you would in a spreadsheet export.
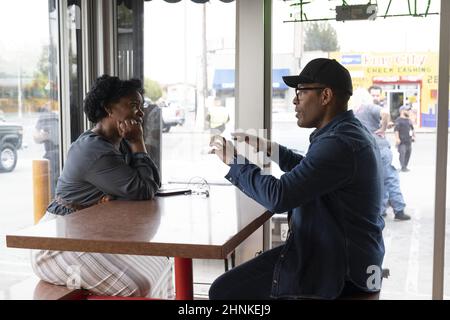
224	79
129	3
277	79
196	1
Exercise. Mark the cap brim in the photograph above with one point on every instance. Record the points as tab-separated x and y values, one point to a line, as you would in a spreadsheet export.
294	81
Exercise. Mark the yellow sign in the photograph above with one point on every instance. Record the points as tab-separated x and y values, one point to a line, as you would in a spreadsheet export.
412	74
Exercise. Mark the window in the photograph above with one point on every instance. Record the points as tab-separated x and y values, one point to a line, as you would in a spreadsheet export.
401	56
29	119
75	67
189	72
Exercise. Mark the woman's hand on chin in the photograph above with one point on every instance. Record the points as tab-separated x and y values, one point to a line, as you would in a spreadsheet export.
131	130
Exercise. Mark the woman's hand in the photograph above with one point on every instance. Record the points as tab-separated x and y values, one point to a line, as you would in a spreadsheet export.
105	199
130	130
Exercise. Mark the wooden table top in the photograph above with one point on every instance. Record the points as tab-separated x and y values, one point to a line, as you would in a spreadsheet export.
189	226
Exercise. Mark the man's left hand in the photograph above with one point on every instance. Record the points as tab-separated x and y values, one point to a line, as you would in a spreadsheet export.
223	148
380	133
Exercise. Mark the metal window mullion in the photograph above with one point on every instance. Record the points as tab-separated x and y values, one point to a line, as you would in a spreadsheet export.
61	133
267	230
108	38
64	78
89	50
441	153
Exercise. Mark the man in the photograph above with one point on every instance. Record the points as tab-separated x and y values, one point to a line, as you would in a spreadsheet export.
404	136
217	119
47	133
333	197
375	118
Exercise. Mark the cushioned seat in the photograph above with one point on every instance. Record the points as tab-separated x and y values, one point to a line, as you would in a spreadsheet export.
35	289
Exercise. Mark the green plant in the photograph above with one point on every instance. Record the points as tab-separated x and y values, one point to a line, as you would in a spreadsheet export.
320	36
152	89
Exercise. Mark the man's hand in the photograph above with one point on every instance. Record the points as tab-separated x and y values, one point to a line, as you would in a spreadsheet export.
258	144
397	142
380	133
223	148
40	136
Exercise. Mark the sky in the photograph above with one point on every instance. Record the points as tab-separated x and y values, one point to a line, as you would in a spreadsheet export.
164	32
381	35
24	32
168	25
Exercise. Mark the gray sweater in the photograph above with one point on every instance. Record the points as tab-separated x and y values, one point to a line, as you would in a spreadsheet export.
94	169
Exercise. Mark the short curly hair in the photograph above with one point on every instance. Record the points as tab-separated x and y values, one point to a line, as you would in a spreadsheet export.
105	90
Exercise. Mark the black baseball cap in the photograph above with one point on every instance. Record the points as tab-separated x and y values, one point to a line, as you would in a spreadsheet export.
404	107
325	71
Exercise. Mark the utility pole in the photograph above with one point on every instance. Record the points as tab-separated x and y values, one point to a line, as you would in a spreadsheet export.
204	67
19	88
185	72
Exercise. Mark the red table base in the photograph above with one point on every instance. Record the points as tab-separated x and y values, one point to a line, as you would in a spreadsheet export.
184	286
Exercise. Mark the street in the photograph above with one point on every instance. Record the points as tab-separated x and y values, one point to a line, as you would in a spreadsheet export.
409	244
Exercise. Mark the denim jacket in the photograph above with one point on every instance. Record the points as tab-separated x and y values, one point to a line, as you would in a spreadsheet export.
333	196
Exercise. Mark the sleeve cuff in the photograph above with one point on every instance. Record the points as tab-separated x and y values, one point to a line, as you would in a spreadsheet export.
140	155
233	174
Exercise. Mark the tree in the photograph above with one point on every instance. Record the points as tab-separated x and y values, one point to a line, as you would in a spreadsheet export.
152	89
320	36
38	88
125	14
43	64
41	90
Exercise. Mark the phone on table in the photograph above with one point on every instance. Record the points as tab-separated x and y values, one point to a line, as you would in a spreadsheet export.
172	192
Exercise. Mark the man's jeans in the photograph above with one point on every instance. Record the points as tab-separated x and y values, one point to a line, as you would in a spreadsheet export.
250	280
404	149
391	180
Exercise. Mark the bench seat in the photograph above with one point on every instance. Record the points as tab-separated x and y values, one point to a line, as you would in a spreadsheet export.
35	289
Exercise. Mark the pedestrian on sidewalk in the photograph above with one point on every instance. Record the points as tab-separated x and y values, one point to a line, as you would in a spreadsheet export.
376	118
404	136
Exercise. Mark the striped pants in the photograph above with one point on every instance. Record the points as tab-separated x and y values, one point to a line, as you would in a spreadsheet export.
106	274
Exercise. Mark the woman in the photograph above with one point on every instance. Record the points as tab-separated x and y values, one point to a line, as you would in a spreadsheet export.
105	163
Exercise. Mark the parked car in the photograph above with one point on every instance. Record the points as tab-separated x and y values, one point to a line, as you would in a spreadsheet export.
10	141
171	112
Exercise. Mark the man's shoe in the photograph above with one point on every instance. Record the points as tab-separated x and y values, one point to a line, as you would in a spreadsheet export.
401	216
405	170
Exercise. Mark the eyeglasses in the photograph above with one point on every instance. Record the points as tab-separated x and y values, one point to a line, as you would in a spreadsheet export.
199	186
300	91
